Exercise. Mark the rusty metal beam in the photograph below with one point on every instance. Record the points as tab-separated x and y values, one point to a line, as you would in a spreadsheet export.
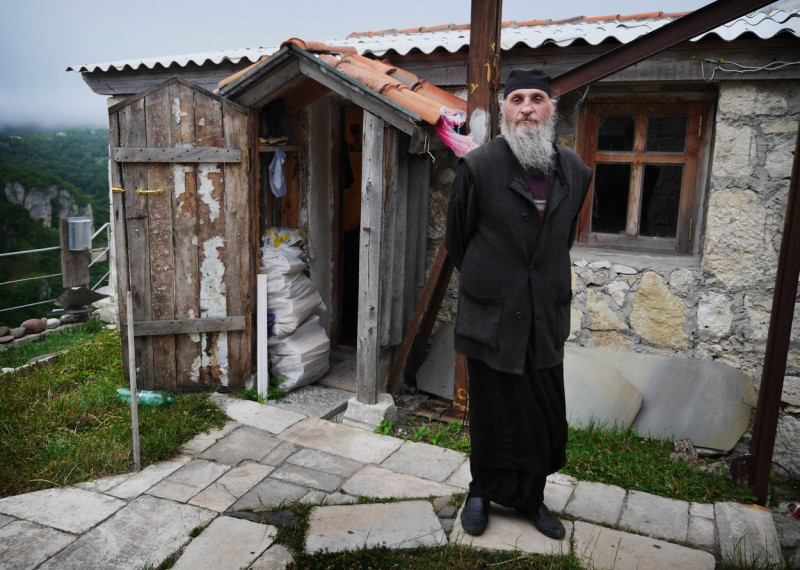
683	29
778	338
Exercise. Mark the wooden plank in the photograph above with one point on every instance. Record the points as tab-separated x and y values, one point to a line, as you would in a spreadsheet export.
74	264
207	120
240	251
119	236
416	233
133	133
185	227
166	154
162	261
372	181
400	279
388	236
188	326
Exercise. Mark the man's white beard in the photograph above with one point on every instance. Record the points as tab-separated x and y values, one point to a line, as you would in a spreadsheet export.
533	147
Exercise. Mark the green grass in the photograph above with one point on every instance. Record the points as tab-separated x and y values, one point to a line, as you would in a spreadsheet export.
61	422
18	355
610	456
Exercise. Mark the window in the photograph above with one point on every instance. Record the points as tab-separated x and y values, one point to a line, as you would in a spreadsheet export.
649	156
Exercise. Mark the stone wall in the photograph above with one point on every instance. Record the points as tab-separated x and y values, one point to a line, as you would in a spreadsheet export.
715	306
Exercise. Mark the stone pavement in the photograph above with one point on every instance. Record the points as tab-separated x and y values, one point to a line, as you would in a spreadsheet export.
200	506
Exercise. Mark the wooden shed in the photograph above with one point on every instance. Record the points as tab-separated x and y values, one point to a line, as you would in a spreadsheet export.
194	169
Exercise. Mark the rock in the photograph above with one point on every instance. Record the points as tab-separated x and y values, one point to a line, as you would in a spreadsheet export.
17	332
69	319
34	326
53	323
6	339
4	331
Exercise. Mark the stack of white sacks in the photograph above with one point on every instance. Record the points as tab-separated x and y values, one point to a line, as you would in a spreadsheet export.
299	349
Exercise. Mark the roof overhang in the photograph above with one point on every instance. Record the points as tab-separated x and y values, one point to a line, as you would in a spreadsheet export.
296	75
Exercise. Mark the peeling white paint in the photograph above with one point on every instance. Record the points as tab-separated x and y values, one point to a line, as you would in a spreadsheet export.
479	125
206	188
179	172
176	110
189	279
195	241
202	122
213	304
194	375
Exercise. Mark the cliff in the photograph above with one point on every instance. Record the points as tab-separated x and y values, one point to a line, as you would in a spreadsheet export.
47	204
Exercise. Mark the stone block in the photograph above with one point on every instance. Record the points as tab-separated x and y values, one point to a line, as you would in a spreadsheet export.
656	516
406	524
747	535
325	462
369	416
596	502
189	480
381	483
352	443
245	443
600	547
68	509
25	544
309	478
424	460
227	489
220	545
436	374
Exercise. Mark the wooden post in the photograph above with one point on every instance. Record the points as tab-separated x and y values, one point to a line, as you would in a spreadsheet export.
74	264
483	68
369	277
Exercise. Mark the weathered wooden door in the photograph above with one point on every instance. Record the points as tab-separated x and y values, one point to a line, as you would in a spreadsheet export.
184	235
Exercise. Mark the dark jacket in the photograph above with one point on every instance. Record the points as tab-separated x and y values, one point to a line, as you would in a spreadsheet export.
515	267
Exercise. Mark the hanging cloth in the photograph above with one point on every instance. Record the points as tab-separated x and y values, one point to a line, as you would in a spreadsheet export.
276	180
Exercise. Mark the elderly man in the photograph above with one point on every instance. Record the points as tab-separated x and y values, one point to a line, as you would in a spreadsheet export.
511	221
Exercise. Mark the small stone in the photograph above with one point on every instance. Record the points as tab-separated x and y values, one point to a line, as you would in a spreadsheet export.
600	265
53	323
6	339
624	270
74	318
34	326
448	512
17	332
4	330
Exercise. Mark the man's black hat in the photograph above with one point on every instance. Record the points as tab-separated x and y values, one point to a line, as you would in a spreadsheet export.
527	79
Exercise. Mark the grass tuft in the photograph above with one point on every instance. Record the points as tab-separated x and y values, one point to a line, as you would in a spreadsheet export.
61	422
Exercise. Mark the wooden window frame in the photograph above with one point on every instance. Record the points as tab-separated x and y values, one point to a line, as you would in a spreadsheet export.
694	159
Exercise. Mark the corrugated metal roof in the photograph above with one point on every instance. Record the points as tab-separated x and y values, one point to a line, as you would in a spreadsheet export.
537	33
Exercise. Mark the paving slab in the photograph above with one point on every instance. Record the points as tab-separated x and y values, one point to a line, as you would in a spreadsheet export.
604	548
558	491
261	416
140	482
189	480
243	444
202	441
510	531
4	520
596	502
133	537
315	401
25	544
277	557
339	499
309	478
747	534
321	461
424	460
379	483
104	484
281	453
656	516
314	498
405	524
461	477
349	442
223	493
68	509
702	533
267	494
227	543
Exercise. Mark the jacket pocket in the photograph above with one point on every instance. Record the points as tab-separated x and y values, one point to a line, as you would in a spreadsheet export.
563	305
479	318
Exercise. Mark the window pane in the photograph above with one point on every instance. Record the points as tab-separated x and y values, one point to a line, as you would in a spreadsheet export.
610	203
661	195
615	133
666	134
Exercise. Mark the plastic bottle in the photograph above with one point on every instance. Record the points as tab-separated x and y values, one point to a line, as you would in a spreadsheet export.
148	397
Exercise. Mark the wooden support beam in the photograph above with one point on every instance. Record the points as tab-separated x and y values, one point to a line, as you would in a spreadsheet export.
74	264
369	257
483	68
182	155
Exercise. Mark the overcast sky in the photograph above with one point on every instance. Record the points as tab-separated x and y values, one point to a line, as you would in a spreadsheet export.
39	39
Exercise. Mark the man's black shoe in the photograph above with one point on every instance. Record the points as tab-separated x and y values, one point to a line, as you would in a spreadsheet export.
545	522
475	515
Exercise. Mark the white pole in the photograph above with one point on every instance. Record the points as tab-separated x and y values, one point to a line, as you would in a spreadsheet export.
137	460
262	356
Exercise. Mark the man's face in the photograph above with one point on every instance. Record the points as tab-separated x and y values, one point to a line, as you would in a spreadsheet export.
526	108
